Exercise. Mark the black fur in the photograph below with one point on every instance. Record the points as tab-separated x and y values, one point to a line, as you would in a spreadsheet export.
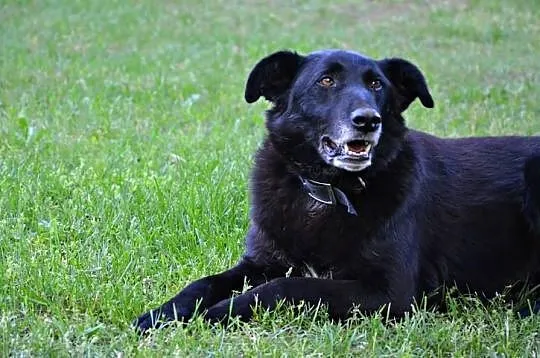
436	212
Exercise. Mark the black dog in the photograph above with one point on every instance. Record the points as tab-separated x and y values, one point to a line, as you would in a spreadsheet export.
350	208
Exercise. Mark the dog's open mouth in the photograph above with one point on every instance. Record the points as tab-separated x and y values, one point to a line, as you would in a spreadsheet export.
355	149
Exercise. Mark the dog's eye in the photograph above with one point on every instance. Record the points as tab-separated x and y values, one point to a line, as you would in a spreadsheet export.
326	81
375	85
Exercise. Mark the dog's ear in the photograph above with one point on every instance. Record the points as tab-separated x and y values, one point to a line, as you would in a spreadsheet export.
408	80
272	76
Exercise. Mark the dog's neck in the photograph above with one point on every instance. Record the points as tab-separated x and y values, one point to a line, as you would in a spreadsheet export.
328	185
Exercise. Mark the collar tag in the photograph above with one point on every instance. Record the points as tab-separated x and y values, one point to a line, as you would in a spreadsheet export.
327	194
322	192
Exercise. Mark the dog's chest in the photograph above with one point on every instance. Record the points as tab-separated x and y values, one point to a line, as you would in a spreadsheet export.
314	238
328	252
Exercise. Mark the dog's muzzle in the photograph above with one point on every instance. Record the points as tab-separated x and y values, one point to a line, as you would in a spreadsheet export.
352	149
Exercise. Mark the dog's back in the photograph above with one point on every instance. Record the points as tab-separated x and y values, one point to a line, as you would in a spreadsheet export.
481	209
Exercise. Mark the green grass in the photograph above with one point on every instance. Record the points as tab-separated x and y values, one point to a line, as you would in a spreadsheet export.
125	149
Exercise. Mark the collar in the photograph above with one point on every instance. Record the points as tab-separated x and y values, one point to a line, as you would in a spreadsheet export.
327	194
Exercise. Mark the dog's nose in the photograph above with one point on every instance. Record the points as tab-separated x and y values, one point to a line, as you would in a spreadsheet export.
366	119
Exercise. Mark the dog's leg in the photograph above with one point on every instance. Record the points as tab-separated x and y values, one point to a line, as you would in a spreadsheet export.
531	209
204	293
339	295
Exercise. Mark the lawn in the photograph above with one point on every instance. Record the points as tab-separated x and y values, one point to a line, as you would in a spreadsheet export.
126	146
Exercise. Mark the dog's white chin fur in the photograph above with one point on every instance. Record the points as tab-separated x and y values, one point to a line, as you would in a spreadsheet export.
351	167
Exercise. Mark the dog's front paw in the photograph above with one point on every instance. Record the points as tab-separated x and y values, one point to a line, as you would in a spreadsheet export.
149	320
157	318
239	307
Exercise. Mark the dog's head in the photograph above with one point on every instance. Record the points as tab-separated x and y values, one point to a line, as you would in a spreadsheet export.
336	107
